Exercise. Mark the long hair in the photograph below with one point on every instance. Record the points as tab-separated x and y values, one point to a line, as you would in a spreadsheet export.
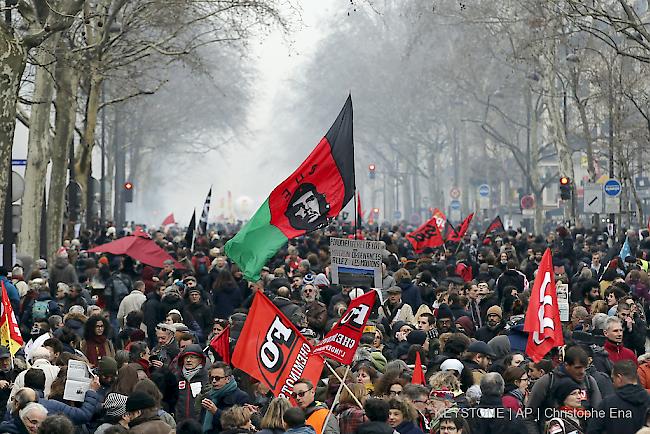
89	327
224	280
127	378
273	417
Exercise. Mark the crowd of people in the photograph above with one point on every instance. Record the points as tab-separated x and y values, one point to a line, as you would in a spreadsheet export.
145	333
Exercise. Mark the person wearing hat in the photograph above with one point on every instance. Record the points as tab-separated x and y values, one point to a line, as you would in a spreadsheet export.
494	325
107	373
114	412
445	320
192	377
394	309
131	302
143	415
224	394
569	415
478	359
167	347
198	309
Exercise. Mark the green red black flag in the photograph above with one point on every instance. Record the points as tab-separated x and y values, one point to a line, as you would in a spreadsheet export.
305	201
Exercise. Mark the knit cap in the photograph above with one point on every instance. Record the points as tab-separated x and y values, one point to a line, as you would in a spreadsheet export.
115	404
495	310
139	401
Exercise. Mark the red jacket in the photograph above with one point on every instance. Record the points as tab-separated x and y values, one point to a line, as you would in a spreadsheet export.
618	352
644	374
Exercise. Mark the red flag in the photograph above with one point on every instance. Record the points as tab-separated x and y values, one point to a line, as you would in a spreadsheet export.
342	341
271	349
418	373
427	235
440	218
495	227
10	336
456	236
169	220
543	316
221	344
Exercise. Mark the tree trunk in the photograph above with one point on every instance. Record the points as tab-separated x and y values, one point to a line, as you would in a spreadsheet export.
83	163
38	156
67	80
13	58
535	181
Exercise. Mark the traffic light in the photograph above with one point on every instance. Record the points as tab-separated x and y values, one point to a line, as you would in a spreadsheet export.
371	171
565	188
128	192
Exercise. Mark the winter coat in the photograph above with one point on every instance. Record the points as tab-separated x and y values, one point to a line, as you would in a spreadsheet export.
486	334
149	425
315	415
411	295
201	313
408	427
624	411
62	271
236	397
52	306
510	278
350	417
153	314
185	408
374	428
12	293
51	372
644	371
316	313
618	352
78	415
505	423
635	339
291	310
225	301
131	302
13	426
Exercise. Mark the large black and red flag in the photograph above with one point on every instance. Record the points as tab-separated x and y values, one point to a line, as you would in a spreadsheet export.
456	236
272	350
427	235
302	203
342	341
496	227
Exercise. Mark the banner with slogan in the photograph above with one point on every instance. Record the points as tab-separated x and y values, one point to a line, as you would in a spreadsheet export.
272	350
342	341
356	262
427	235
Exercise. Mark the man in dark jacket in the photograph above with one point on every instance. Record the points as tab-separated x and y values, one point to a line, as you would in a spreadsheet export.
377	414
197	308
291	310
511	277
624	412
61	270
223	394
495	325
315	311
153	314
192	377
491	417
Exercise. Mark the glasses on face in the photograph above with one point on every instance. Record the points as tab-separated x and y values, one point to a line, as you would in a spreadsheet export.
308	291
99	326
215	378
523	379
295	395
420	401
395	392
448	429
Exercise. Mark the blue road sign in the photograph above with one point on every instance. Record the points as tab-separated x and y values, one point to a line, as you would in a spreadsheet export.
612	188
18	162
454	204
484	190
397	215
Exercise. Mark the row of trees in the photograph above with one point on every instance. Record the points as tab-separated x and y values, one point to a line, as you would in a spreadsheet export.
514	93
146	80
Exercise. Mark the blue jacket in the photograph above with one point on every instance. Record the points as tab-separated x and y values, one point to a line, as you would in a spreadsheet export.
12	293
408	427
78	415
411	295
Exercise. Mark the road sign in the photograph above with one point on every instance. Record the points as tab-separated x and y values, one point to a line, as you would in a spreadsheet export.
484	190
612	188
18	162
17	187
454	193
454	204
397	215
527	202
612	204
593	198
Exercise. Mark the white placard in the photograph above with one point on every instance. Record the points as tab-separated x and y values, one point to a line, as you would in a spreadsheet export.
356	262
77	382
562	290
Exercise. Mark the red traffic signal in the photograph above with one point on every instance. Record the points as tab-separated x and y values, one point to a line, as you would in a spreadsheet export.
128	185
371	171
565	181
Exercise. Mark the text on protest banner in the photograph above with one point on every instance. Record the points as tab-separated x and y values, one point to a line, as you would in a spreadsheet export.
272	350
356	262
342	341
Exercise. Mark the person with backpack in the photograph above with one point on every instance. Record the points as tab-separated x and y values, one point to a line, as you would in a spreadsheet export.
540	399
118	286
40	308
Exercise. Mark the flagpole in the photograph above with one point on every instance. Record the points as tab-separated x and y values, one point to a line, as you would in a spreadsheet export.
356	213
341	380
337	396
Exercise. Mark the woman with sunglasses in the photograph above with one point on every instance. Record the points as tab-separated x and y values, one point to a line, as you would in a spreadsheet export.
516	388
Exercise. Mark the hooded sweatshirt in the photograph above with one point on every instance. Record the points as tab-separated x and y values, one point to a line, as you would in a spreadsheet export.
624	412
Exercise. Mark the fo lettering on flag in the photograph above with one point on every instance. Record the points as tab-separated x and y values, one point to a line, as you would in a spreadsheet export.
543	315
342	341
272	350
427	235
10	336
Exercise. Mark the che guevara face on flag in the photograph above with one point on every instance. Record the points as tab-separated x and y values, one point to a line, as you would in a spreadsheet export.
321	186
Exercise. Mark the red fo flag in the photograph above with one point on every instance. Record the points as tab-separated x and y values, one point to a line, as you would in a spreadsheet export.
418	373
271	349
342	341
221	344
543	316
169	220
427	235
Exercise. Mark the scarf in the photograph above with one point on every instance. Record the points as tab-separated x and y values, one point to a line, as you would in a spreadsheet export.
215	395
188	374
517	393
95	349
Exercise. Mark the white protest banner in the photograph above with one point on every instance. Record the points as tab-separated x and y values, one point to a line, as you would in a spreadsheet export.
356	262
77	382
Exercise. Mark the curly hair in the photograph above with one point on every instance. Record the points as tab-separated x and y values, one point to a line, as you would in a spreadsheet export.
406	408
444	381
89	327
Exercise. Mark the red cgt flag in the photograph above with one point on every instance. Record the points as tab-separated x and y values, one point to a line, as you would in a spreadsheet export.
418	373
427	235
221	344
543	316
342	341
271	349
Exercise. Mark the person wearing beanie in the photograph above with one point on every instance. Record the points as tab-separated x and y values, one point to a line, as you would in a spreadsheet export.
114	412
394	309
107	373
445	320
191	377
465	325
494	325
143	415
570	415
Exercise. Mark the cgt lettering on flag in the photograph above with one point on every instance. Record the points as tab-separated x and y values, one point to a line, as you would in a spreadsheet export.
282	354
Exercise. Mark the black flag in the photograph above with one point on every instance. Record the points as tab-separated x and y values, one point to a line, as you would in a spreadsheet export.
202	229
189	235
